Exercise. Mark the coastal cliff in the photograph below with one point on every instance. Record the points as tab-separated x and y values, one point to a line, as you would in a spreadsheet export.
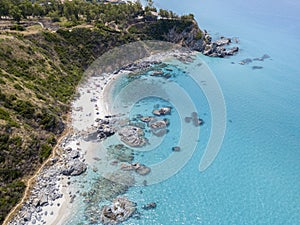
42	62
186	32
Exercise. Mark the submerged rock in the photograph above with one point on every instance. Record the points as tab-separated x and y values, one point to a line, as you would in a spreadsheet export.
160	132
151	205
257	67
146	119
120	152
245	61
265	56
196	120
141	169
157	73
188	119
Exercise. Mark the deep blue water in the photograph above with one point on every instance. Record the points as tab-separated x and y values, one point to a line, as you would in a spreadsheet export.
255	178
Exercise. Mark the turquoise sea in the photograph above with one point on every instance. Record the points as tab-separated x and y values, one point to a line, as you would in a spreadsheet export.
255	178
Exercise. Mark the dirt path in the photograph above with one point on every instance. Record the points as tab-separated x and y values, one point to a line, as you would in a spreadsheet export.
31	181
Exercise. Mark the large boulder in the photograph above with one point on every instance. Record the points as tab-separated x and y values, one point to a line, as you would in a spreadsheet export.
159	124
73	168
132	136
79	168
27	215
162	111
74	154
43	199
119	211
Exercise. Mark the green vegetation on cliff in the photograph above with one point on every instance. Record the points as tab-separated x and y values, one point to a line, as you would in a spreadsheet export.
40	68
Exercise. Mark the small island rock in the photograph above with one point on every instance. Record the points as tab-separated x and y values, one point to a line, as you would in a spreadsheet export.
119	211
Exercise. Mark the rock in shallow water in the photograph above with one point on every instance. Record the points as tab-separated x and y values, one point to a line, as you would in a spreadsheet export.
132	136
119	211
141	169
159	124
151	205
162	111
176	149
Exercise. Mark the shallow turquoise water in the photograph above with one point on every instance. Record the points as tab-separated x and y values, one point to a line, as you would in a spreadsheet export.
255	178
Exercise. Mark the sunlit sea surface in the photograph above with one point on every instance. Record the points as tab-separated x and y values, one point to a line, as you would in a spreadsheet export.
255	179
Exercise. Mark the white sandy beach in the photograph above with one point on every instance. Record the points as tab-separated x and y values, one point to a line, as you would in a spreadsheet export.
92	103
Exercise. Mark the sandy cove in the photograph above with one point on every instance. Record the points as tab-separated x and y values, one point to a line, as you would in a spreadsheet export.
51	198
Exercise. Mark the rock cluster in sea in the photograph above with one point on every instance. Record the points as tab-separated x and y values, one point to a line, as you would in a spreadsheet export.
139	168
257	59
132	136
162	111
105	189
105	127
194	118
218	47
120	153
119	211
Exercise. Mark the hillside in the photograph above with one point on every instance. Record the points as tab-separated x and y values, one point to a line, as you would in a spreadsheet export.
42	59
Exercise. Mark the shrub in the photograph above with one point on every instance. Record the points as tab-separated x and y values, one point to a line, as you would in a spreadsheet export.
45	151
4	115
18	87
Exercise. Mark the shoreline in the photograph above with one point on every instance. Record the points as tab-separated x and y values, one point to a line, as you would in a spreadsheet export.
31	181
92	103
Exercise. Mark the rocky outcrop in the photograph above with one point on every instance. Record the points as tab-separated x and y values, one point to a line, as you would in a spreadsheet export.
176	149
139	168
132	136
146	119
105	128
195	39
73	168
119	211
162	111
214	50
218	48
159	124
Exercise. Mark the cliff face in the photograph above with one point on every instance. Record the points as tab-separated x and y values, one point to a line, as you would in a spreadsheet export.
185	32
191	36
194	38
